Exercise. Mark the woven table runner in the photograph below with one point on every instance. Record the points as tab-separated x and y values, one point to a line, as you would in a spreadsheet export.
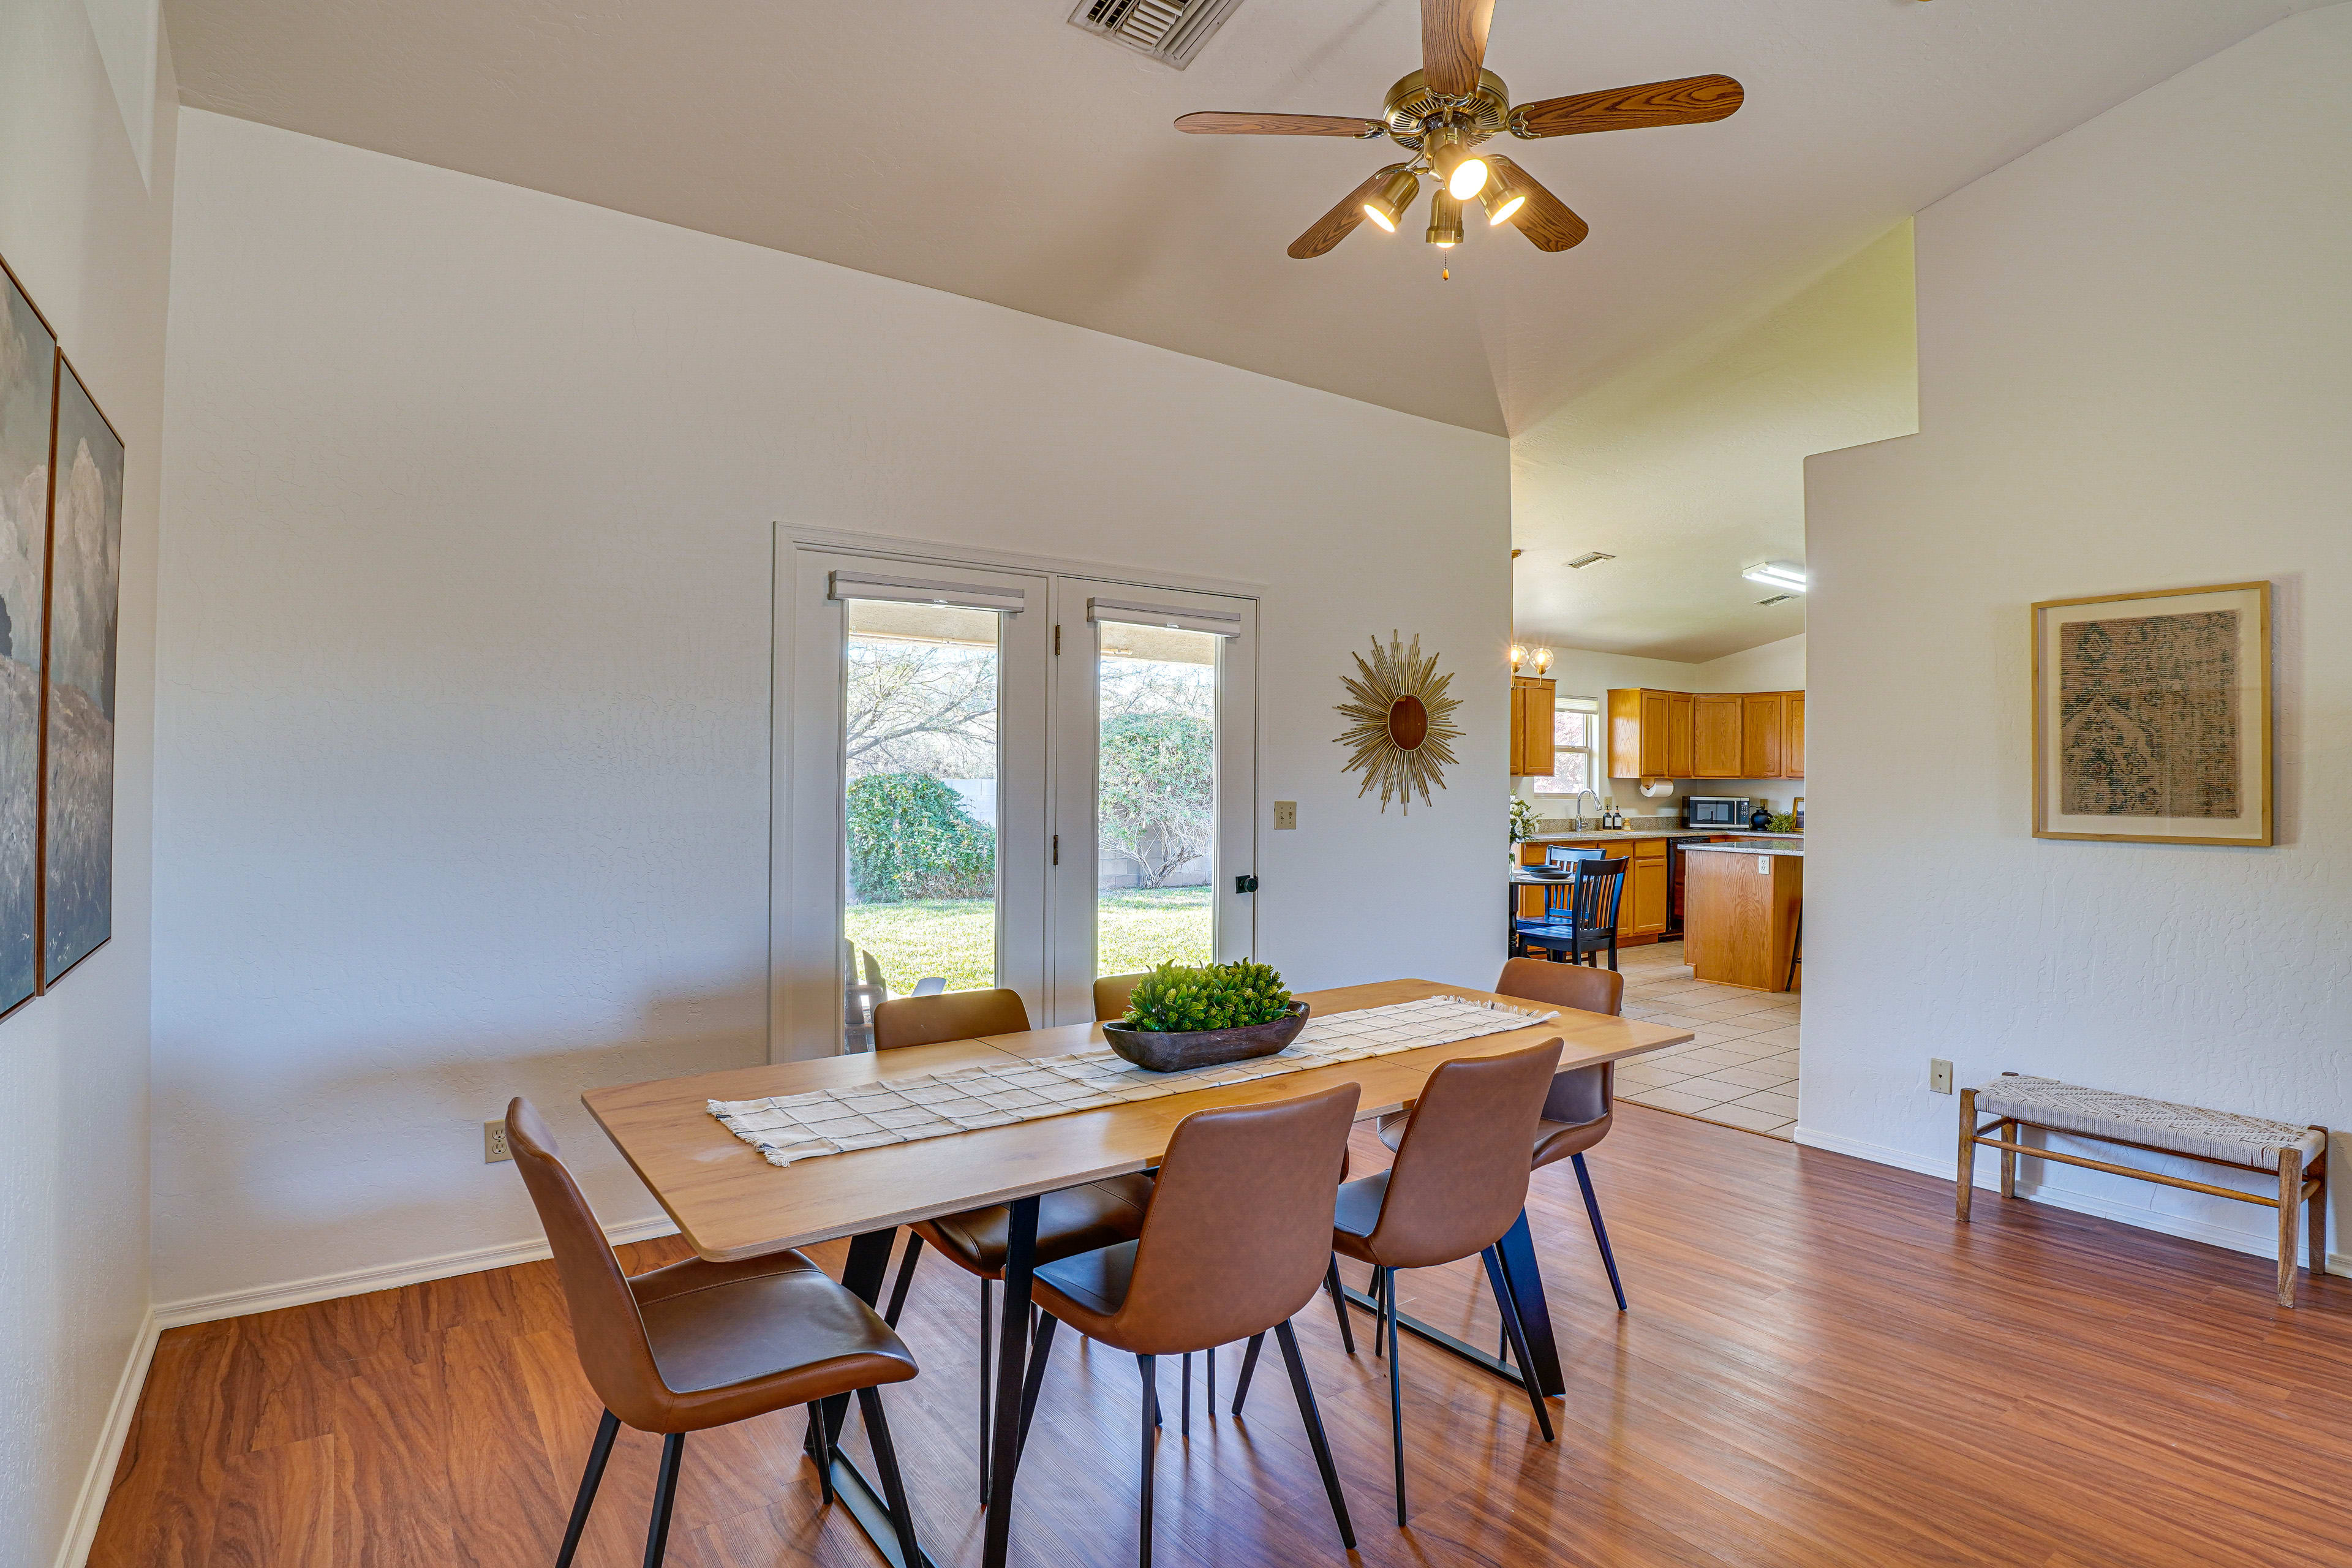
787	1128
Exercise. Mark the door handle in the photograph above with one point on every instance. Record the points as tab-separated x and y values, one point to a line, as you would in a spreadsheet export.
1245	884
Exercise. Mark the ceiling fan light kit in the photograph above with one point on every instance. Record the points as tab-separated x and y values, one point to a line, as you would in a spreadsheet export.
1441	113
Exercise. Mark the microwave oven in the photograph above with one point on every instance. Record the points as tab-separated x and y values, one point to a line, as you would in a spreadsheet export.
1714	811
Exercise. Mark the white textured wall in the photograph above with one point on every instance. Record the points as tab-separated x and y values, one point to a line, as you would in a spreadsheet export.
2135	359
79	226
464	741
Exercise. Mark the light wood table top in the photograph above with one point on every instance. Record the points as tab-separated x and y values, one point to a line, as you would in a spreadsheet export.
730	1203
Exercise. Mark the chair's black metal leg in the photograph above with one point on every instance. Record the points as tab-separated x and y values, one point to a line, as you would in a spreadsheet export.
1151	1387
1249	1366
894	1488
1525	1276
1339	1303
664	1495
906	1277
1209	1394
1600	1231
1305	1391
1494	1262
1038	1352
1150	1441
1004	1435
1396	1391
1184	1401
819	1450
1381	1300
987	1366
598	1452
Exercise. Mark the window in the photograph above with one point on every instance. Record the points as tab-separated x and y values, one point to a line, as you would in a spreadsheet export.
1576	742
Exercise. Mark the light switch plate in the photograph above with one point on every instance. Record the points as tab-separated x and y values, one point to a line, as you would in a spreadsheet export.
1285	814
1939	1075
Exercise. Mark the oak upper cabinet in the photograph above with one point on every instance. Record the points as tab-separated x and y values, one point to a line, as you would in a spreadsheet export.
1715	735
1761	723
1682	758
1532	701
1792	734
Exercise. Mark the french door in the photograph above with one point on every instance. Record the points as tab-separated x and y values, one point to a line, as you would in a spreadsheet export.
990	778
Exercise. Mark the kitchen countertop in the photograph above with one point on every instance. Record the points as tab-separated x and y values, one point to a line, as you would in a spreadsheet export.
1654	833
1796	849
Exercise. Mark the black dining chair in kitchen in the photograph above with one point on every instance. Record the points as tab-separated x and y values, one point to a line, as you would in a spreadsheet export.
1579	915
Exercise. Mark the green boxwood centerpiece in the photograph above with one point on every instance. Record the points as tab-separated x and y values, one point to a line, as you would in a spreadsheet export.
1188	1018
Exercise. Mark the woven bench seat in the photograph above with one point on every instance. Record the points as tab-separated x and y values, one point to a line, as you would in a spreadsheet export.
2297	1156
2191	1130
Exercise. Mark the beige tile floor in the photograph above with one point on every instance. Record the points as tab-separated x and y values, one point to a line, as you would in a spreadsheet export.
1741	1070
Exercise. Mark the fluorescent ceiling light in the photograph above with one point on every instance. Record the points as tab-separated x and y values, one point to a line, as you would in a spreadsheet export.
1778	575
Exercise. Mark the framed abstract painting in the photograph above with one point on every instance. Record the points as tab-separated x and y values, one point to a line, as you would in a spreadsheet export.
2152	716
85	571
28	380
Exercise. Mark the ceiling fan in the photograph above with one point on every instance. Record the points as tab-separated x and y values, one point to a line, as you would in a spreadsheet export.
1442	112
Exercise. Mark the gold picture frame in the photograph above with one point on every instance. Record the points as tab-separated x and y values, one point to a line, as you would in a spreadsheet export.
2152	716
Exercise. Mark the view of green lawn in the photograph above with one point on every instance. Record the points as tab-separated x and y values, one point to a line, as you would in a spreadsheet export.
1139	927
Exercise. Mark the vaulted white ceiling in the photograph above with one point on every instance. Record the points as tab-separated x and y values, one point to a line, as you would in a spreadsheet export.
987	148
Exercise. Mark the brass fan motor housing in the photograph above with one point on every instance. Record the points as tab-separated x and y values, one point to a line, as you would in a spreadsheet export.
1411	105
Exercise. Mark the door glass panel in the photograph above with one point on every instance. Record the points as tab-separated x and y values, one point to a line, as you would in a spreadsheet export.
1156	797
920	748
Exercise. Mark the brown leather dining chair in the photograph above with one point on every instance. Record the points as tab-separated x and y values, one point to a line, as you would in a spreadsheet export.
1111	993
1074	1219
1459	1182
1237	1240
695	1345
1582	1102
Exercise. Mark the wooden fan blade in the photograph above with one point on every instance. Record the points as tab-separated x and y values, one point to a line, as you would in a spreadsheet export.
1212	123
1690	100
1340	222
1545	220
1454	43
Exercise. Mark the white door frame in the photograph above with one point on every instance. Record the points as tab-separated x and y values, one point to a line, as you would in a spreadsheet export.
805	843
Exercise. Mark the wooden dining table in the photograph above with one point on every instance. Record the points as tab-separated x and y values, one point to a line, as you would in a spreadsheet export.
729	1203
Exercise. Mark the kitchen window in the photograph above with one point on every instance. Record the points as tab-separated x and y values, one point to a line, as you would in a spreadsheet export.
1576	748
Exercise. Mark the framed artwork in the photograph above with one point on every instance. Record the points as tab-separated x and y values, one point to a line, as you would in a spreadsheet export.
85	570
28	385
2152	716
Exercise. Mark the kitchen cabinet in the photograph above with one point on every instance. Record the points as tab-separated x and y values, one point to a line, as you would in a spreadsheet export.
1682	756
1644	905
1715	735
1709	735
1760	734
1532	703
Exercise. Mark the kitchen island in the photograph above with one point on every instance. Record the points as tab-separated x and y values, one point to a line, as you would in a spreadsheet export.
1742	905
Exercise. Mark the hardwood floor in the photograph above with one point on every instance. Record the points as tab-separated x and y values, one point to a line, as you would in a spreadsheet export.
1819	1368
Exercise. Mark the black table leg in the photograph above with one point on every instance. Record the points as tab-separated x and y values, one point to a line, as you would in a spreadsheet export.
1012	1351
870	1260
1525	1278
1524	1281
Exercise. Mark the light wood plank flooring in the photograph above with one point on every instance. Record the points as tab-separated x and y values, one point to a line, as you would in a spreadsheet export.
1819	1368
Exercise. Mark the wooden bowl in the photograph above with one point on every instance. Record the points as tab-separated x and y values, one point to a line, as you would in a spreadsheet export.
1155	1052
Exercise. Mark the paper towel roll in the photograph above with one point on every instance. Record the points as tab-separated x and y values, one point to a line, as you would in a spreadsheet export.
1658	789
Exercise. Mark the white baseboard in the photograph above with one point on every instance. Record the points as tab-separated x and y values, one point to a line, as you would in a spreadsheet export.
81	1524
2258	1244
380	1276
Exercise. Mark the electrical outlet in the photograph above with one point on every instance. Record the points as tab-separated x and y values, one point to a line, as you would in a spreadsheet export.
494	1142
1939	1075
1285	814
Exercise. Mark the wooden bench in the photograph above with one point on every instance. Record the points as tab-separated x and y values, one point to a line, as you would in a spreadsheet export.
2297	1154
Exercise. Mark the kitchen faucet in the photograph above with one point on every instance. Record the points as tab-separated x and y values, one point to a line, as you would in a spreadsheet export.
1579	803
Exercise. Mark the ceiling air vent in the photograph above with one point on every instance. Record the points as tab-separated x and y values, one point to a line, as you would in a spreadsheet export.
1591	556
1170	31
1777	599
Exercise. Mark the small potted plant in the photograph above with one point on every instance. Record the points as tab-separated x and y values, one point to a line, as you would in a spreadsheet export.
1179	1018
1523	824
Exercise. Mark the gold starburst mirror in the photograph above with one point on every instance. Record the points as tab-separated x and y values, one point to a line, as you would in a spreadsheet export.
1401	722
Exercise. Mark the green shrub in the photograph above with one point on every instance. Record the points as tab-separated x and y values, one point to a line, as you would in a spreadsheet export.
1173	999
910	837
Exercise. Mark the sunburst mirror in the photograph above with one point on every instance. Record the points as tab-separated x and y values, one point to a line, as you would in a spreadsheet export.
1401	722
